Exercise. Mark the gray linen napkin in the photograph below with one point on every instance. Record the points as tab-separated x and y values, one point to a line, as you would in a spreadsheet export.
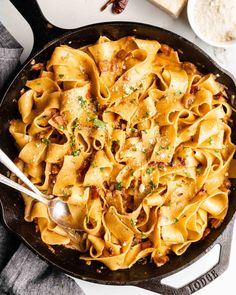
22	272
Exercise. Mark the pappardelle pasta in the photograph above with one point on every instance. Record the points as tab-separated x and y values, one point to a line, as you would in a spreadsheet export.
134	140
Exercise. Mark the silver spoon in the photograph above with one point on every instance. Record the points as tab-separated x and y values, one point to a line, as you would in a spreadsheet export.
58	210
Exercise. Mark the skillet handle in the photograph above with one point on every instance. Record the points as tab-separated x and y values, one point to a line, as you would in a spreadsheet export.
43	31
224	241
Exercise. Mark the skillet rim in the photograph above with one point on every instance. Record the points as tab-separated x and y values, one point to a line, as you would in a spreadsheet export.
67	35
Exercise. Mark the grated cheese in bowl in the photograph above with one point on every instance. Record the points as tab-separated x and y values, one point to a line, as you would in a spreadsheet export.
214	21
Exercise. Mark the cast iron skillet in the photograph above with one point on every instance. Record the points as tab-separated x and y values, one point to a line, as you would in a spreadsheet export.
145	276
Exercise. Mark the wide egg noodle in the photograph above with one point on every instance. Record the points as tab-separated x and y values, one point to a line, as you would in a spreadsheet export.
135	141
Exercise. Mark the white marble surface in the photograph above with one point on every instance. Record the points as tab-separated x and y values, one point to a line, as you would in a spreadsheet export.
75	13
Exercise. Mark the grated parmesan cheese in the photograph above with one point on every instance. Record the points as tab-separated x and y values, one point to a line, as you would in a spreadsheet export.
216	19
141	188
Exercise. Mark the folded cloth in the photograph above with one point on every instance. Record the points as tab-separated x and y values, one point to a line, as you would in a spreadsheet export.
10	52
22	272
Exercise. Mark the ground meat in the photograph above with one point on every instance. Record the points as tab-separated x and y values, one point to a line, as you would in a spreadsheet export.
52	178
161	260
203	189
132	183
136	241
153	164
112	187
116	66
83	169
94	194
166	49
38	67
104	66
220	97
146	244
123	54
115	147
194	89
55	169
189	68
125	194
59	120
206	233
215	223
110	250
100	111
182	161
135	133
141	216
227	183
54	112
128	202
188	100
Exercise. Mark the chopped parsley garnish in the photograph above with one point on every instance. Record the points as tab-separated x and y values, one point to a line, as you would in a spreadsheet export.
61	76
74	126
127	91
175	220
62	127
76	152
140	87
102	168
82	101
117	141
132	129
87	219
66	193
164	147
199	169
188	174
45	140
146	115
178	92
149	170
152	185
210	140
98	123
66	56
72	142
143	235
118	186
132	222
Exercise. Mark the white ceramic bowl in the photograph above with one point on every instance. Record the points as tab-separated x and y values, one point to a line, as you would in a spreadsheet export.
197	30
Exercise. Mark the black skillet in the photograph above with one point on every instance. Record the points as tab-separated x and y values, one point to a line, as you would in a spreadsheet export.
146	276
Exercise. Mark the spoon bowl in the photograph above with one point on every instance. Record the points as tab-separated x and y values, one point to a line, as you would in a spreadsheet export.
58	210
60	213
